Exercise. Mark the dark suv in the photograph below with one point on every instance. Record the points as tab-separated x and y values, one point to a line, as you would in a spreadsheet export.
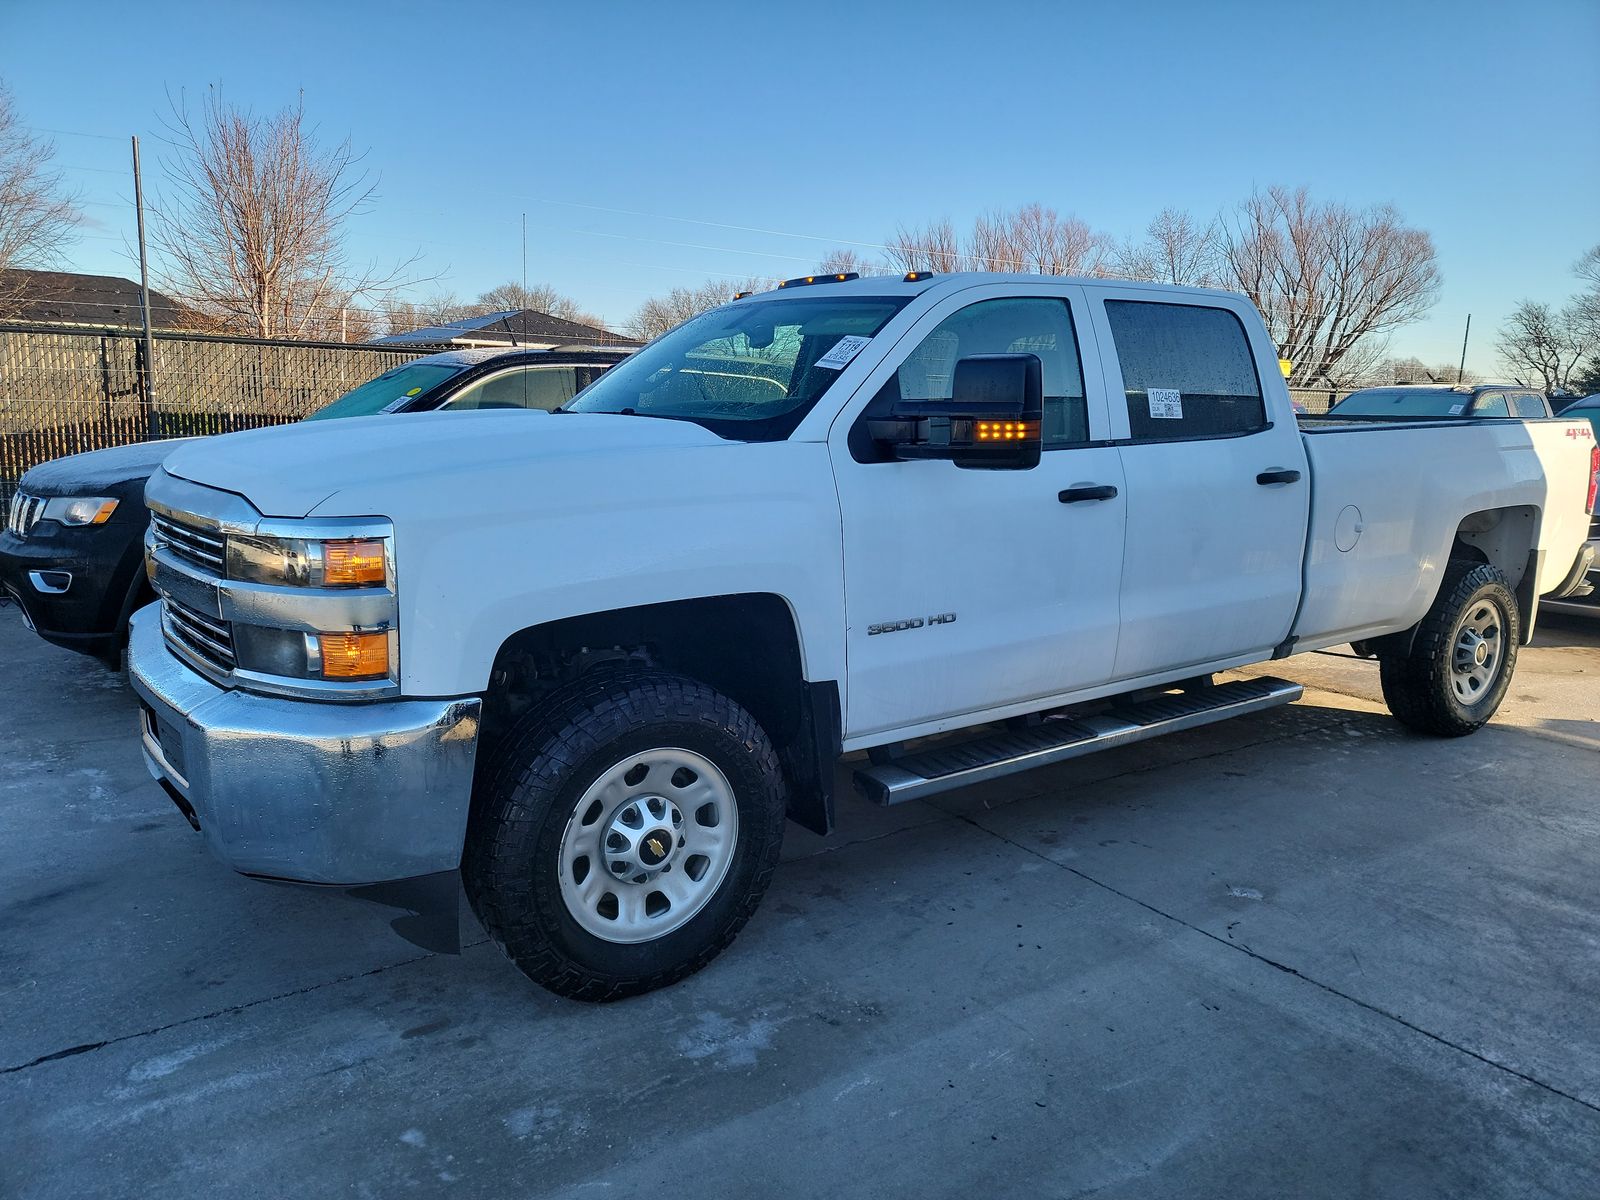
72	549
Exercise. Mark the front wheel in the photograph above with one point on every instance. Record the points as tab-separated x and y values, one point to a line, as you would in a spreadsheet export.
625	832
1461	661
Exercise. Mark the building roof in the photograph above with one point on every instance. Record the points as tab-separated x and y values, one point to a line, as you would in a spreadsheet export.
523	327
68	298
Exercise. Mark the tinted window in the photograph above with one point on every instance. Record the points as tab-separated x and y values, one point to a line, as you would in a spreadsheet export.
1034	326
534	387
1526	404
1490	404
1187	369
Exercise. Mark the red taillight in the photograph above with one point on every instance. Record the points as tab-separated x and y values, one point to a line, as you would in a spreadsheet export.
1594	477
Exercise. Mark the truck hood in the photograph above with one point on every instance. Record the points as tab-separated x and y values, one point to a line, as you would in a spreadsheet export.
289	470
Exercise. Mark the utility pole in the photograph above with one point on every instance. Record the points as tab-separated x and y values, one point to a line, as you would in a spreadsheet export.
1461	371
152	432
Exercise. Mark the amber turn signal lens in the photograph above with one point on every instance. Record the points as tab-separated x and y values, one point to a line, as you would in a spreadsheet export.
353	563
355	655
1005	431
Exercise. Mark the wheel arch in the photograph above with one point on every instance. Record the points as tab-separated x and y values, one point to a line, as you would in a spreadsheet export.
1505	538
747	646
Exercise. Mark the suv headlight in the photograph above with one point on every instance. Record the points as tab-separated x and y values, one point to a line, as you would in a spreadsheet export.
309	562
78	510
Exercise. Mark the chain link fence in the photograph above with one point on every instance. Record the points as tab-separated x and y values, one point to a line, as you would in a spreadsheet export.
64	391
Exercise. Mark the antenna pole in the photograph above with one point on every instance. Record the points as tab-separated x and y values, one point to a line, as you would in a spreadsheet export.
1461	371
144	303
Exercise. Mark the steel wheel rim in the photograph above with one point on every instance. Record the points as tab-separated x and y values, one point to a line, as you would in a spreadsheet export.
618	881
1478	651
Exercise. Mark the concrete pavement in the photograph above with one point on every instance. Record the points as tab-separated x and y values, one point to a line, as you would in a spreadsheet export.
1299	954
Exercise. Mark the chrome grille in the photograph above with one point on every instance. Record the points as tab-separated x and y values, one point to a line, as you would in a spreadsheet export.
24	513
201	547
204	637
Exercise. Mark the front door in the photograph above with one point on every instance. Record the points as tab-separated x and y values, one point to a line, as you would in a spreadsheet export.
972	590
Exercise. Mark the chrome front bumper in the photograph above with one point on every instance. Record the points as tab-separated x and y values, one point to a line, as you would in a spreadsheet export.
304	790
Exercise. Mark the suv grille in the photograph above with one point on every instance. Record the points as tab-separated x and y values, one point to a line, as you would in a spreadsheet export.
200	547
203	637
24	513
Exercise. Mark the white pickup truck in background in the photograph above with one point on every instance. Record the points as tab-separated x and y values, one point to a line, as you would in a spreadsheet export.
594	658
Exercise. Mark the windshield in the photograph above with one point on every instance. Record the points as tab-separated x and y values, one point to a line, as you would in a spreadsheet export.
749	371
1396	402
388	391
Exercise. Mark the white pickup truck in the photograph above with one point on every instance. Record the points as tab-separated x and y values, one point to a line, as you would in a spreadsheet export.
594	658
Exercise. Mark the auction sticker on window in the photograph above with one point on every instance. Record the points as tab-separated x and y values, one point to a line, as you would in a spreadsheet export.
1166	402
843	351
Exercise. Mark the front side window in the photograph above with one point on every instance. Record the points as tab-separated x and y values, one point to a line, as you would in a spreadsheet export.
750	370
1491	404
1187	369
1041	327
529	387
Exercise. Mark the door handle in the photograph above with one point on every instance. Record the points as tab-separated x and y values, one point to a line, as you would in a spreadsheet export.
1277	476
1076	495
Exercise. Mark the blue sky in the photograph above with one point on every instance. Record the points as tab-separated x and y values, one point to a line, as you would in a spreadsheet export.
658	144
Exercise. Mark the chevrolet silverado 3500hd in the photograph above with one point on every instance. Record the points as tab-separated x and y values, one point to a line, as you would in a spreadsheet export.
594	658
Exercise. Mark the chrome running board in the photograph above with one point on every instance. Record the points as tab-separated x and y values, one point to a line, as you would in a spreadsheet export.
943	768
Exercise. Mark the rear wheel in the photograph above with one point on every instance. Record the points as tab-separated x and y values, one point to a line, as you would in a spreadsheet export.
1462	658
624	833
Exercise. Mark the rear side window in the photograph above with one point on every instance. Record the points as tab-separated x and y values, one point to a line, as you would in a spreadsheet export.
1526	404
1187	369
533	387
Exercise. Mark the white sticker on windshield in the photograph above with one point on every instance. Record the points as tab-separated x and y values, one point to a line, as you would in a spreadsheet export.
1165	402
843	351
1457	409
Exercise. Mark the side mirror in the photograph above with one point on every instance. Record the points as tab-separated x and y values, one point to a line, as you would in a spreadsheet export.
994	419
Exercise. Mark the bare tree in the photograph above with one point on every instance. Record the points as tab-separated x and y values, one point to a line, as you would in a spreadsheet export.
934	247
540	297
1544	346
250	228
1414	370
37	214
843	261
1175	248
1037	240
661	313
1330	280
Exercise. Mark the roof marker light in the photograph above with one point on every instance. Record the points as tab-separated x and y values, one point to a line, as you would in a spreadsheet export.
916	276
802	281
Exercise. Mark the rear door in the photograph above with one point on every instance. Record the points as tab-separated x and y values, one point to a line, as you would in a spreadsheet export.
1217	487
968	591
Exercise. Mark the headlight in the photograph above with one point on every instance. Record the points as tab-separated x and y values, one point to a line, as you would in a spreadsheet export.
305	562
79	510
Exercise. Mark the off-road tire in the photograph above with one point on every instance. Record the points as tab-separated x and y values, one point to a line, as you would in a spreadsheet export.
1418	688
527	790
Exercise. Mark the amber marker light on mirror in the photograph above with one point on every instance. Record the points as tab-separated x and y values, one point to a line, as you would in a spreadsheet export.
354	655
1004	431
353	563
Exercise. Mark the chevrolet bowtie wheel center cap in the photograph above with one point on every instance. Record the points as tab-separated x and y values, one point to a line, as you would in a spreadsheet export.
642	839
